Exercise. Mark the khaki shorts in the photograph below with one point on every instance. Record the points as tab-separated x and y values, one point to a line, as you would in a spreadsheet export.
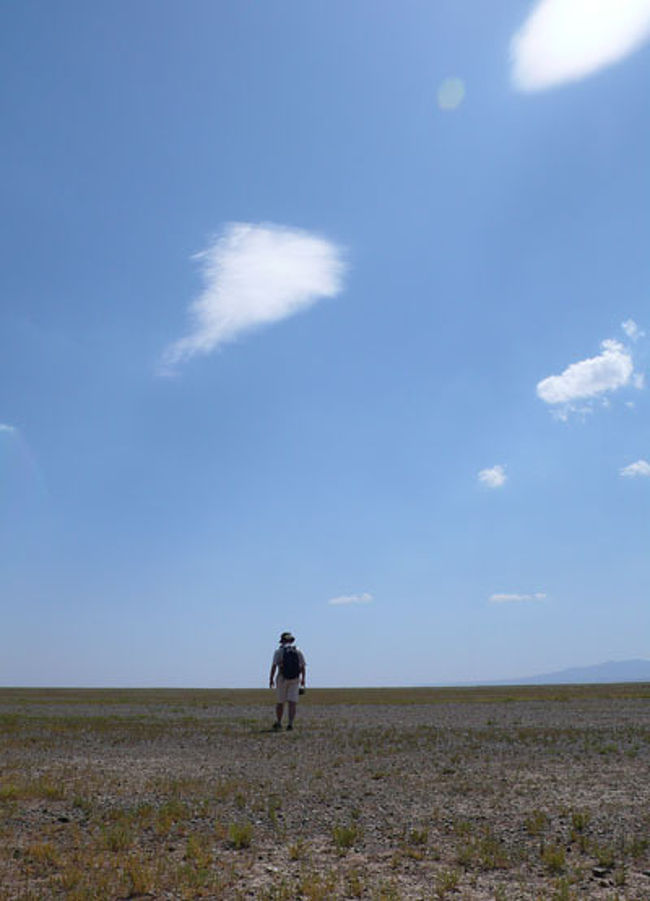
286	690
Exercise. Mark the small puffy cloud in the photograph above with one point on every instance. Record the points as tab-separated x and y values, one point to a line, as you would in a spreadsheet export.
610	370
365	598
494	477
634	470
8	429
565	40
514	598
253	275
632	330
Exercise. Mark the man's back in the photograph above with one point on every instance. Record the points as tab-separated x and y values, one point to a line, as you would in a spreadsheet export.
289	660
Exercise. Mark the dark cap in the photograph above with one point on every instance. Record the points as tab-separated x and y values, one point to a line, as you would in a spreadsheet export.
286	638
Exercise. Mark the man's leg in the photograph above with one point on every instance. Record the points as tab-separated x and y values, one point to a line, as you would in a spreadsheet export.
279	710
292	712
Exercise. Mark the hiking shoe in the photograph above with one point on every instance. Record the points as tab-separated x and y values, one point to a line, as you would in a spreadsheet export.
277	725
289	727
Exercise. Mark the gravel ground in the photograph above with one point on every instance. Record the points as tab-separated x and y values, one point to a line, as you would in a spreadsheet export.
511	799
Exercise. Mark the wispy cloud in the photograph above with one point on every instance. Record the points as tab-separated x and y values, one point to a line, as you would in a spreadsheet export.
365	598
253	275
588	379
494	477
634	470
9	429
565	40
514	598
632	330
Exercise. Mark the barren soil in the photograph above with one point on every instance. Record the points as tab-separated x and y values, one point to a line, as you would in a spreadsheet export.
414	794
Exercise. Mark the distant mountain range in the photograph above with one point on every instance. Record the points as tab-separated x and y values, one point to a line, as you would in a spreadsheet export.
612	671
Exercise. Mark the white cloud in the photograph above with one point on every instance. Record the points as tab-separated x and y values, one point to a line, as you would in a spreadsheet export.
365	598
10	429
565	40
494	477
585	380
256	274
640	468
632	330
513	598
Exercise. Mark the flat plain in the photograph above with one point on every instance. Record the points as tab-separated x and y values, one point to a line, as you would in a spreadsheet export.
478	793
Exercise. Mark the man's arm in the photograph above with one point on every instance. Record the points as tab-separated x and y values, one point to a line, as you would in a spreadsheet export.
303	670
272	675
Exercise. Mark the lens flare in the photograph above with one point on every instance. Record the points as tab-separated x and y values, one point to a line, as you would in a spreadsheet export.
22	486
451	93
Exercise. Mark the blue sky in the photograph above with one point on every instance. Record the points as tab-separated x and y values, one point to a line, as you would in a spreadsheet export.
326	317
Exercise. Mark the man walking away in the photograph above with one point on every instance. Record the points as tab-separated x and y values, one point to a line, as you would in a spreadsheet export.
290	665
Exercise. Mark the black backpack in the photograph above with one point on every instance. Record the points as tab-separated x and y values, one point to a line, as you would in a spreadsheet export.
290	666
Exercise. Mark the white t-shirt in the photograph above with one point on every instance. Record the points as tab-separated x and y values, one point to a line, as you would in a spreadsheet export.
277	658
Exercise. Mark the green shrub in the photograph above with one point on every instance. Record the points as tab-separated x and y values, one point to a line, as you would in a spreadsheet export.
118	837
554	858
536	823
345	836
240	835
418	836
446	881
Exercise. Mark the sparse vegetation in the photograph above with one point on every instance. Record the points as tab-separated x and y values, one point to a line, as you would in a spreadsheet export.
389	794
